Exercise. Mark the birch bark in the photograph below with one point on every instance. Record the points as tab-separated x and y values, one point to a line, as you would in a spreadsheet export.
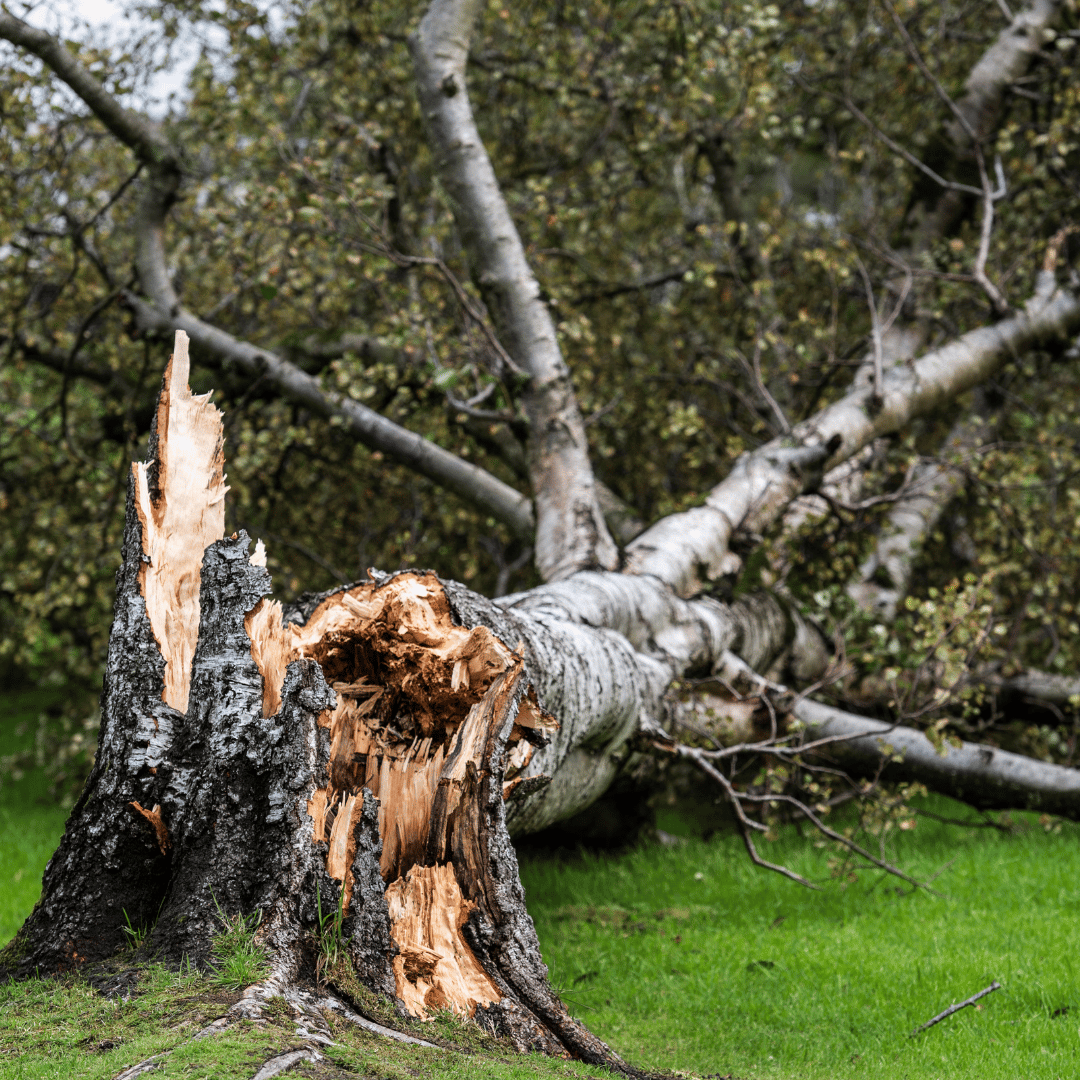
571	533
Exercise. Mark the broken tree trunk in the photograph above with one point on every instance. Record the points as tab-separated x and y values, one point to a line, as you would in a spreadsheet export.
357	759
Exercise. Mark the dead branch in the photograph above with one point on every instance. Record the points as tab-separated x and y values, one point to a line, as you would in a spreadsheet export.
995	985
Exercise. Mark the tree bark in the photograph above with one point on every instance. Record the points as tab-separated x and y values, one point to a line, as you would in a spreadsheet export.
687	549
982	776
885	575
571	534
361	755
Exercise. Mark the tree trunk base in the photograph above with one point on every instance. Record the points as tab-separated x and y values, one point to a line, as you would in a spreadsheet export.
343	775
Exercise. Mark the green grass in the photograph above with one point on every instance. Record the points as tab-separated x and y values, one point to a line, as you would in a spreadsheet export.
50	1031
239	960
690	958
659	951
31	824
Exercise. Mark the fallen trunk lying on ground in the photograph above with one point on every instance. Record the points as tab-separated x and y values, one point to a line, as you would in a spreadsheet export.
359	761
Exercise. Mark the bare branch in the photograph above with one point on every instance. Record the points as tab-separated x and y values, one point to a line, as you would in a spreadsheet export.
995	985
746	824
982	776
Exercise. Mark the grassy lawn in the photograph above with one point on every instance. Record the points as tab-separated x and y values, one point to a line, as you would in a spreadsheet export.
31	824
690	958
682	957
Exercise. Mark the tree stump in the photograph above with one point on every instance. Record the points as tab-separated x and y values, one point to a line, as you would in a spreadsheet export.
355	759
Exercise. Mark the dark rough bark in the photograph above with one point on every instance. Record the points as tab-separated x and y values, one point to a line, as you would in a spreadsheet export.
109	867
238	783
224	822
367	927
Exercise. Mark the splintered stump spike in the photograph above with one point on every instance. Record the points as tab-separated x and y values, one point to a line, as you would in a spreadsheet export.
356	760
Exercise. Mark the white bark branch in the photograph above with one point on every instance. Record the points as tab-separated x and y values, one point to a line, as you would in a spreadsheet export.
885	576
570	531
476	486
686	549
981	776
132	129
1034	685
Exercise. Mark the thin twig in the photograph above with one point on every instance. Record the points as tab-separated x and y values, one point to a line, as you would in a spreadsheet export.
745	823
913	52
893	145
995	985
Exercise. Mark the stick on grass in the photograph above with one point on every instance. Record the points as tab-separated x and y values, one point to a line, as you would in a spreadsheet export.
995	985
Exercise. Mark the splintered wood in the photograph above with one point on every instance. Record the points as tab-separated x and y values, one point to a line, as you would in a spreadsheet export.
429	715
269	648
419	701
182	513
435	968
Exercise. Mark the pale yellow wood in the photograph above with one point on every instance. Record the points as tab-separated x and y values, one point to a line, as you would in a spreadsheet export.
415	698
435	968
178	525
269	646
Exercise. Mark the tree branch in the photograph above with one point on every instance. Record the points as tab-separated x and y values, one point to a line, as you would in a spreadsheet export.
1035	685
473	484
570	530
885	576
132	129
164	312
685	549
982	776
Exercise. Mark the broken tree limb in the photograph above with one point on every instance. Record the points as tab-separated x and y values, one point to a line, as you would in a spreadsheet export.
979	775
686	549
570	531
164	313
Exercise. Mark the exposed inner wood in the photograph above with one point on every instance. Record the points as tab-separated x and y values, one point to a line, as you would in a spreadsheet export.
435	968
269	648
157	823
180	519
418	701
422	705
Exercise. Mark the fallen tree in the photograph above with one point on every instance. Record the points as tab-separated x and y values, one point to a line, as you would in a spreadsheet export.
370	751
357	760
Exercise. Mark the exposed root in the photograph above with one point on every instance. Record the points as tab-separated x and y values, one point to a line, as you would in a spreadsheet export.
279	1064
312	1029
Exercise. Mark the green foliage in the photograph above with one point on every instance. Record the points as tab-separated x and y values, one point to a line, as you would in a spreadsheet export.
329	933
239	959
136	934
